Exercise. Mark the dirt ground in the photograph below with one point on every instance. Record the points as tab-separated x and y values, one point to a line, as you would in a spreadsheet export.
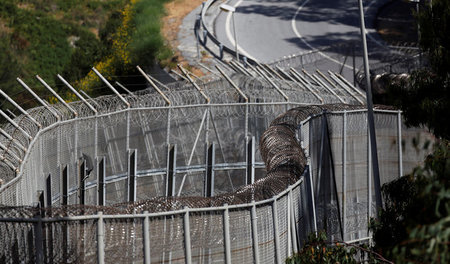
176	11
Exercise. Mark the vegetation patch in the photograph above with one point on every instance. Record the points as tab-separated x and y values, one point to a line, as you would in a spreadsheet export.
47	37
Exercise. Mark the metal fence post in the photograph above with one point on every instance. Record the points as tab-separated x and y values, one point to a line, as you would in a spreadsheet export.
209	177
399	139
254	218
48	191
38	240
82	183
65	186
294	236
369	175
250	161
276	232
226	233
311	199
101	186
171	170
288	224
132	168
187	236
100	239
344	174
146	232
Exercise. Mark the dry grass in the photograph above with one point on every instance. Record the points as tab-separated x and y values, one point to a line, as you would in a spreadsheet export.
176	11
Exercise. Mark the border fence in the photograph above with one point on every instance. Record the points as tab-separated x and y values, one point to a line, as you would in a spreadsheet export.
186	183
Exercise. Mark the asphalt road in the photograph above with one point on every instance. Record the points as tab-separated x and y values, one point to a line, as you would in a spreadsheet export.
268	30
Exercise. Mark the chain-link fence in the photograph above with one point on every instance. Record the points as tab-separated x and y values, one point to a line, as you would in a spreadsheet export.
186	182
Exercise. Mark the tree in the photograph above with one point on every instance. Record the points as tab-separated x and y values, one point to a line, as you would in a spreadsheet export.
425	96
414	225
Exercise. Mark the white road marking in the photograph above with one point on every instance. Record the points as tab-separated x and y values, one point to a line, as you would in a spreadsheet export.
306	43
230	36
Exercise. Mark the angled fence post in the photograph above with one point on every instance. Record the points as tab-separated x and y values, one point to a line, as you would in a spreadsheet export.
132	168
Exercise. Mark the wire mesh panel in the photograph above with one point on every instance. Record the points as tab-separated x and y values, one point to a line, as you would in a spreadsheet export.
416	144
266	241
207	237
17	243
282	207
167	239
241	236
357	183
123	240
148	132
116	191
387	145
189	124
149	186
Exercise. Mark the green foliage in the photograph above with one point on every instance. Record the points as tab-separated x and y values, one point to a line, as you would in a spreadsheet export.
414	226
425	97
47	37
316	250
147	43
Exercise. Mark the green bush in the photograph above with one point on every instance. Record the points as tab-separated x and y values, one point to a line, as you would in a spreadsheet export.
414	226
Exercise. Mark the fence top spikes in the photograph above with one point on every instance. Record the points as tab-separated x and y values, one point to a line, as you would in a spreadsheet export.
20	108
40	100
77	94
56	95
111	87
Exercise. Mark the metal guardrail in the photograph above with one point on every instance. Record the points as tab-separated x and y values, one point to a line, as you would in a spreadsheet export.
213	38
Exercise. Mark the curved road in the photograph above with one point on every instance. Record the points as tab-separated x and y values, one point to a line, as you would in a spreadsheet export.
267	30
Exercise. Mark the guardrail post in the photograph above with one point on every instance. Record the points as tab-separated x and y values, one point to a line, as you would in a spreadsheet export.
171	170
254	218
209	172
226	233
276	232
187	236
65	186
250	179
146	232
132	168
101	186
205	37
221	51
100	239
